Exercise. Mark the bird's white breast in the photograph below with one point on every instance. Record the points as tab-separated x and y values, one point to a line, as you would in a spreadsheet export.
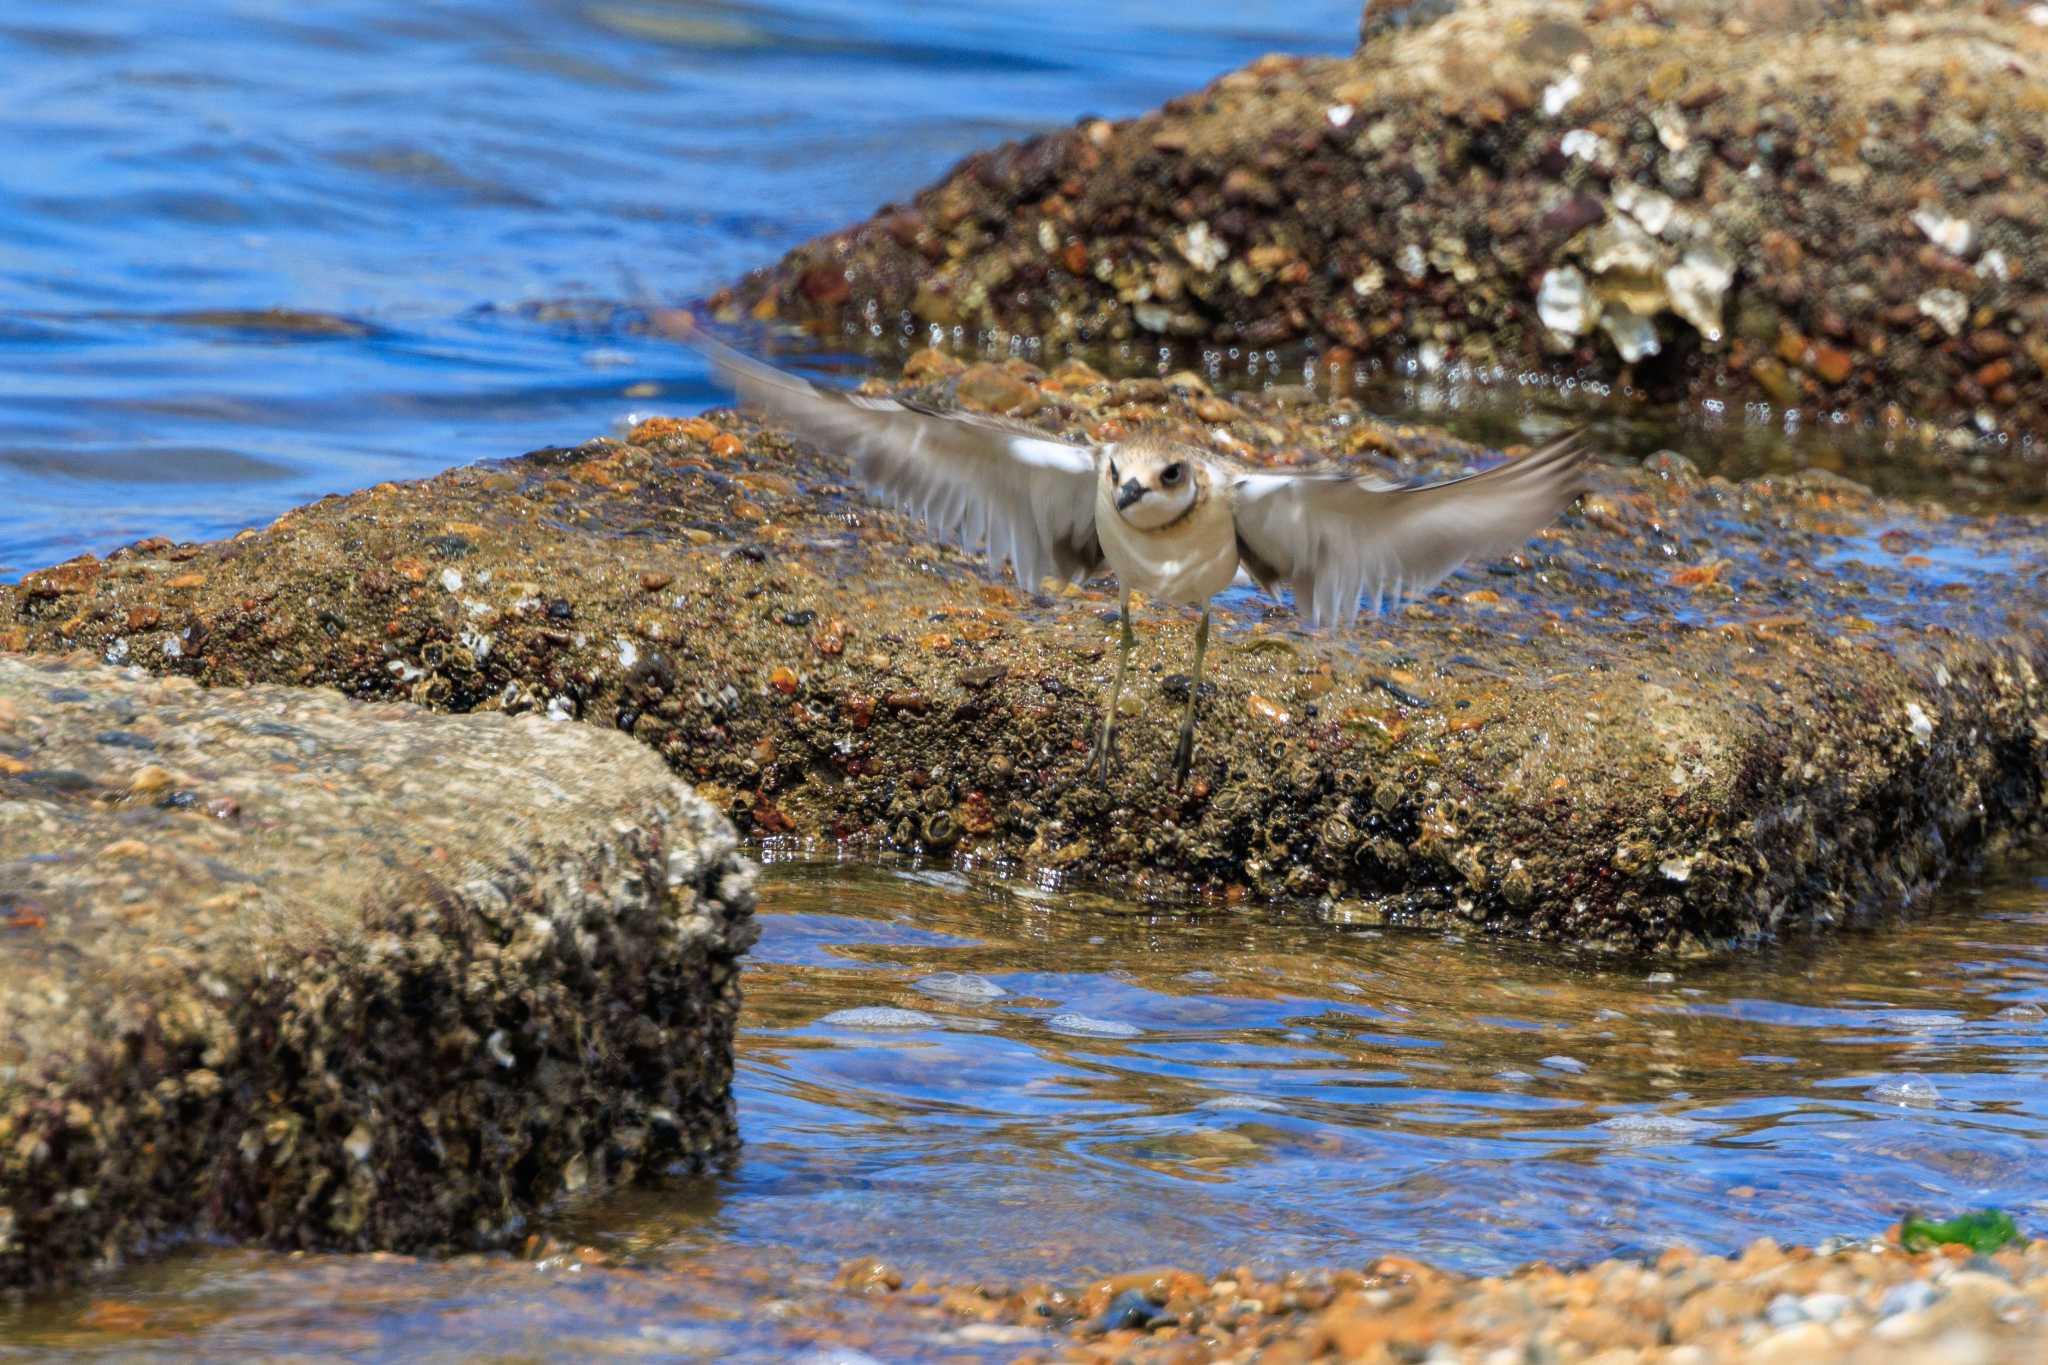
1190	561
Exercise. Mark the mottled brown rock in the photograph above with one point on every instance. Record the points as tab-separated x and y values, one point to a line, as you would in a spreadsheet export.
1543	185
319	973
1691	713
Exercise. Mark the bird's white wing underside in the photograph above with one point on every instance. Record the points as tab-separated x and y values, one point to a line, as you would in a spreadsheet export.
1339	541
1010	494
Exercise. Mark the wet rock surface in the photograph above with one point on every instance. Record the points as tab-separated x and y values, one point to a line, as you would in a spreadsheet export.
1691	713
286	967
1812	207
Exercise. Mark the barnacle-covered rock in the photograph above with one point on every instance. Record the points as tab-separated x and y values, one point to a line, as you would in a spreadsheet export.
322	973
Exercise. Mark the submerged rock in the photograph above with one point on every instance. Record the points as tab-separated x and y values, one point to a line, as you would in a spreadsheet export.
286	967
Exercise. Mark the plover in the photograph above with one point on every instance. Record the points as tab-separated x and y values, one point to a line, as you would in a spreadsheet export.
1172	521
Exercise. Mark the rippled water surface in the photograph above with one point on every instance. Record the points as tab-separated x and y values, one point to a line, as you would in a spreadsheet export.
254	251
980	1080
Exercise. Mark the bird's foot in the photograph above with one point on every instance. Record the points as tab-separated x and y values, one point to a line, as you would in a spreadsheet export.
1098	758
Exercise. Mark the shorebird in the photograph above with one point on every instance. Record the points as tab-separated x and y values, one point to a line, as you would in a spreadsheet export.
1172	521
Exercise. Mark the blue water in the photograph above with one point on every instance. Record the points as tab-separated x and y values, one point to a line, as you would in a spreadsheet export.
455	198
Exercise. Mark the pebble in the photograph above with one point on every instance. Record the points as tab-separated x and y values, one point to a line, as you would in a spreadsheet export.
1761	1305
1571	1066
1911	1297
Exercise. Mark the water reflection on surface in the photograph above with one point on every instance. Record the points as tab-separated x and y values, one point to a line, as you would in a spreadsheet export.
977	1079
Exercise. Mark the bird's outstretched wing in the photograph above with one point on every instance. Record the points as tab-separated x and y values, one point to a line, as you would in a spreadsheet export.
1338	540
1006	491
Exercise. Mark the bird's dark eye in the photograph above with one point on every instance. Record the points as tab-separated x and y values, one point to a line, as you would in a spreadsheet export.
1112	473
1172	474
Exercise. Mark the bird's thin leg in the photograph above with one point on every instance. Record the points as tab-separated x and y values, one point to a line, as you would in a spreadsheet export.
1100	760
1184	756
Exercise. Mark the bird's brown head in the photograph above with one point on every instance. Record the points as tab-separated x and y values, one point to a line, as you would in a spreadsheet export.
1151	482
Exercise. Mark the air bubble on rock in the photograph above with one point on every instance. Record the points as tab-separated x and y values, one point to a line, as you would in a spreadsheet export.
451	579
561	708
500	1050
880	1017
629	653
1678	869
1660	978
1087	1026
1412	260
1949	309
1910	1091
959	986
1993	265
1953	235
1571	1066
1513	1077
1249	1103
1339	114
117	652
1565	303
2022	1014
174	648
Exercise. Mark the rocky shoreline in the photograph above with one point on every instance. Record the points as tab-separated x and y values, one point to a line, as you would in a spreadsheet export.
1692	713
291	969
1864	1301
323	972
1799	207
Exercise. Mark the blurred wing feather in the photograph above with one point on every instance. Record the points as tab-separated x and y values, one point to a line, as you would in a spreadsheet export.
1340	540
1002	490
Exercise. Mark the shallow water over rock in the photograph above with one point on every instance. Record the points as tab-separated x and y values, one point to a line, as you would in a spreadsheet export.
1247	1088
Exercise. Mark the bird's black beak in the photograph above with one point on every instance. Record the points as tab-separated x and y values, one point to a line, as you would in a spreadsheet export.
1131	491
